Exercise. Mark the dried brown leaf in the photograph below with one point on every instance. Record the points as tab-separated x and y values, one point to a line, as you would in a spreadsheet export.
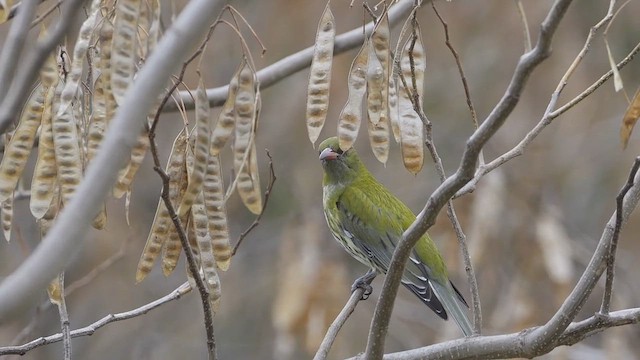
630	118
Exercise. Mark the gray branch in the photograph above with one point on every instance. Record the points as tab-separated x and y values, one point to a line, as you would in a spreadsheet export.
293	63
92	328
528	62
66	237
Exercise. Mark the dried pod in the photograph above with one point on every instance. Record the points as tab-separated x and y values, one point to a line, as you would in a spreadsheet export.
17	150
6	217
128	173
378	71
201	151
178	185
203	238
411	127
227	118
213	191
79	52
43	184
248	183
162	223
320	75
351	115
394	115
123	58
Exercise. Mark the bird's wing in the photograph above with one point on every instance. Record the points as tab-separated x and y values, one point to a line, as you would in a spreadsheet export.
377	237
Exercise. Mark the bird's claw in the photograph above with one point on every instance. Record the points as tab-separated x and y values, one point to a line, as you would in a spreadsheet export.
364	283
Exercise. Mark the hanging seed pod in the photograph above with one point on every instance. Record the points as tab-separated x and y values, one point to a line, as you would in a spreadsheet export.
320	75
77	65
17	150
394	115
213	191
351	115
173	247
123	58
43	184
162	223
411	127
227	118
128	173
6	217
203	238
245	120
201	151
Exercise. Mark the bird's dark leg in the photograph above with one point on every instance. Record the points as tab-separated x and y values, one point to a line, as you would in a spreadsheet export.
364	282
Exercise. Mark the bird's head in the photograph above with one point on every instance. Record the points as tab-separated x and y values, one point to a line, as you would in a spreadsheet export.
339	166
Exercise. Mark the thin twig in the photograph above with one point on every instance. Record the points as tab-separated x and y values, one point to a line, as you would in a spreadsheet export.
73	287
337	324
463	78
267	194
525	26
92	328
611	258
64	320
550	114
44	15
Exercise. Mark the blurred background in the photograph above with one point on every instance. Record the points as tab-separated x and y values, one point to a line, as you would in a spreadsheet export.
531	225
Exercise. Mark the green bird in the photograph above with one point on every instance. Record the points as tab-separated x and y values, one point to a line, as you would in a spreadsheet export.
368	221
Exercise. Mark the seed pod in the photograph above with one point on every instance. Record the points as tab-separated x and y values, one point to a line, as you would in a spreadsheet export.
411	127
248	183
6	217
162	223
17	150
394	115
43	184
67	150
213	191
173	247
320	75
227	118
378	82
128	173
79	52
207	260
201	151
123	58
351	115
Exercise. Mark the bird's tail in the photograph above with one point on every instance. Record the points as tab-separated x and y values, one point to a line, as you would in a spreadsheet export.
453	306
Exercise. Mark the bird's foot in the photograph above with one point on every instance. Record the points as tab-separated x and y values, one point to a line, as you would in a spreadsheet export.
364	283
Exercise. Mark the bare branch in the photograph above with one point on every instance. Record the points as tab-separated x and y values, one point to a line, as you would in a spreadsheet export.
293	63
337	324
611	256
27	73
550	113
515	345
528	62
16	39
92	328
54	252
